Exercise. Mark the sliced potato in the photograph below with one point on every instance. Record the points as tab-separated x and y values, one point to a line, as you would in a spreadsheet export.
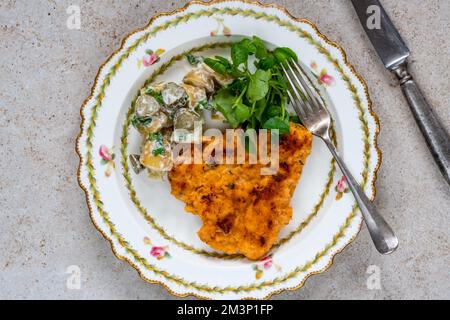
157	87
195	95
146	106
174	97
158	121
220	79
184	125
200	78
157	155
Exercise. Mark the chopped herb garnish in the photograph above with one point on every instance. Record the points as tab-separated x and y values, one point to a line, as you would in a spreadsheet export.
193	60
159	151
157	136
203	105
155	94
141	122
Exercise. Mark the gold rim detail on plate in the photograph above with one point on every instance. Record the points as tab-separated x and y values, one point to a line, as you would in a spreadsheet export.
91	173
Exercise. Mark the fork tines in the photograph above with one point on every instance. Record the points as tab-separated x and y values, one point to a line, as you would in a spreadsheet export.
300	84
305	100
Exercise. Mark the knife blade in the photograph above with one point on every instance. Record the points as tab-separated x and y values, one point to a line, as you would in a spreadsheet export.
394	53
384	36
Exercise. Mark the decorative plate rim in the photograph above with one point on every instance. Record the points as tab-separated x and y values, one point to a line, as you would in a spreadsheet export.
211	3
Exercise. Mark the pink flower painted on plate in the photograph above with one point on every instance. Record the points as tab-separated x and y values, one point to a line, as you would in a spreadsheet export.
150	58
105	154
107	159
341	188
264	265
322	76
327	79
156	251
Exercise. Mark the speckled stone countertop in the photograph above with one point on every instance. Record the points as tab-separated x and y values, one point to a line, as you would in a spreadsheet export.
47	70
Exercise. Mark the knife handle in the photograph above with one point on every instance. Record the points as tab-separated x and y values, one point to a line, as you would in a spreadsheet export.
437	138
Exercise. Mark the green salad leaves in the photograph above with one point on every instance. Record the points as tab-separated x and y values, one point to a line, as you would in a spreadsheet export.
254	99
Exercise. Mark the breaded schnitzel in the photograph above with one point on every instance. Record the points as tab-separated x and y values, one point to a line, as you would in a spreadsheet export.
243	211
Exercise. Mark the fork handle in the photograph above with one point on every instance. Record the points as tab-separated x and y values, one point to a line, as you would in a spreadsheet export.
382	235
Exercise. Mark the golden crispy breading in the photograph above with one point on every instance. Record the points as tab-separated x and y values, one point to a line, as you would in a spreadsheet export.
243	211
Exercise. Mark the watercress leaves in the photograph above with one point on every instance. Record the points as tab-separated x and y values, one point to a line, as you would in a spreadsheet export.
272	111
258	86
278	123
238	85
232	107
254	99
266	63
223	66
241	51
239	55
261	50
283	54
260	107
224	61
248	45
242	112
224	102
216	65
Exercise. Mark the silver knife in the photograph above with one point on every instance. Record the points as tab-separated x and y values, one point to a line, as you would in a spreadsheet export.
394	53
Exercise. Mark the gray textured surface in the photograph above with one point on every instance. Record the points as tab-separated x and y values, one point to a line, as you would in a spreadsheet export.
46	71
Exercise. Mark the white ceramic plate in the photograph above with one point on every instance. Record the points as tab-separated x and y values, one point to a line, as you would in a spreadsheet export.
149	228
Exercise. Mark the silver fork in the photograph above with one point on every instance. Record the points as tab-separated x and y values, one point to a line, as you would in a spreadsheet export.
316	118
